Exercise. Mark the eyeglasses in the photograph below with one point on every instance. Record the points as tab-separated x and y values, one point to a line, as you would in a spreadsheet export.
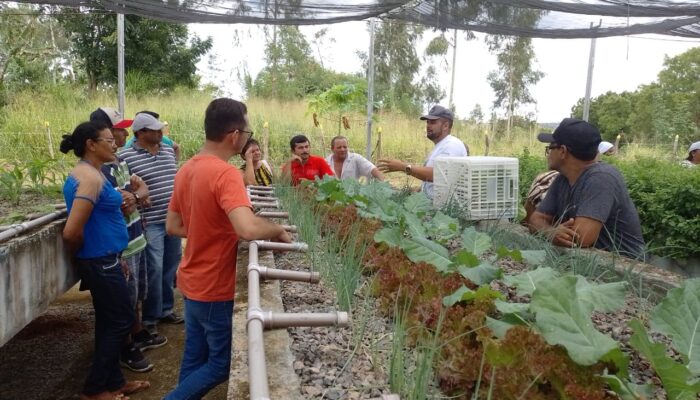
551	147
110	141
250	133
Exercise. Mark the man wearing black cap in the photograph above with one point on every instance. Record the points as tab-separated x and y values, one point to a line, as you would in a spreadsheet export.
588	204
438	126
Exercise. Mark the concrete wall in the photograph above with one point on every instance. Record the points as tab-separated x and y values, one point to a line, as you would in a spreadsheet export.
34	270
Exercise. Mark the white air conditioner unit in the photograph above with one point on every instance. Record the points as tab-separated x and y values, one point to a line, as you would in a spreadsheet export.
481	187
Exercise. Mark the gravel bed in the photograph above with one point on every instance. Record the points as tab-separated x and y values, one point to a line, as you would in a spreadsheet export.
336	363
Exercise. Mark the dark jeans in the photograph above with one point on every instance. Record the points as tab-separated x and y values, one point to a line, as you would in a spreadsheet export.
114	318
207	357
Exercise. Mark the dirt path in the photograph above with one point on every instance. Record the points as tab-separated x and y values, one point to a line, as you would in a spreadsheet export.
50	357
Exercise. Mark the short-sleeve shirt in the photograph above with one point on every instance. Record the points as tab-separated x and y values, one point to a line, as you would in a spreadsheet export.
263	175
354	166
206	190
314	167
164	140
158	171
448	146
599	193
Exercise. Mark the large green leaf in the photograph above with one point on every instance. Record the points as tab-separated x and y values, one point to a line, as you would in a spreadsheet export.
678	316
419	249
386	210
413	224
418	203
527	282
674	376
628	390
505	307
476	242
514	255
466	294
481	274
500	327
563	320
606	297
391	236
442	227
534	258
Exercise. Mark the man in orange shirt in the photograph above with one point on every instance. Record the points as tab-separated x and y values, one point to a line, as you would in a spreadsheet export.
211	209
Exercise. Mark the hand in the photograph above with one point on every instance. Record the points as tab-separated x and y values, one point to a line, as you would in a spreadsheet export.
249	154
296	157
391	165
125	268
284	237
128	199
565	235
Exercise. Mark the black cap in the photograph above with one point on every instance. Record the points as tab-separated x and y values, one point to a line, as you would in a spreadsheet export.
438	112
580	138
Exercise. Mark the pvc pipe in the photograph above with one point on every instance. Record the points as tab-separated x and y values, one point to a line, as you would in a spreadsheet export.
273	320
265	204
25	226
283	274
265	245
264	188
272	214
262	198
290	228
257	370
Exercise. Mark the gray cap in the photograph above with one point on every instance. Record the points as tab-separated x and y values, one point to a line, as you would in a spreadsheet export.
146	121
438	112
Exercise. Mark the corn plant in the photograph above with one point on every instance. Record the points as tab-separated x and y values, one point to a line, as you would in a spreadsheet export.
11	182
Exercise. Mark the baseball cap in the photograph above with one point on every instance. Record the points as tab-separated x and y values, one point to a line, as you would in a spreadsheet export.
579	137
693	147
604	146
438	112
111	117
146	121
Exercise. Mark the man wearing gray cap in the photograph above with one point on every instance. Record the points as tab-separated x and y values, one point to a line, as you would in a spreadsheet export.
438	126
587	205
155	163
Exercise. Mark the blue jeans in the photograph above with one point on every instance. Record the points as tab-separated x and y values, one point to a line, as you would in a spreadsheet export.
163	254
114	318
207	357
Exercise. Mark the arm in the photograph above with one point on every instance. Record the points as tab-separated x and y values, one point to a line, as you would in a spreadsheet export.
83	203
174	224
249	173
248	226
417	171
562	234
377	174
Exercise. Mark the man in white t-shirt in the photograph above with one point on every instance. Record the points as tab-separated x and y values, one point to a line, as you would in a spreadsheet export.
349	165
438	126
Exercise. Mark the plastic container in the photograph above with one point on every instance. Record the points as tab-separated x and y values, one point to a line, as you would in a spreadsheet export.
481	187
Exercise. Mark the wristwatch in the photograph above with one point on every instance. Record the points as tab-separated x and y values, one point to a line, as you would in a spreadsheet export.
407	170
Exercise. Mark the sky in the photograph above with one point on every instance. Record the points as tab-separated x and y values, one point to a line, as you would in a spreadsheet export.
621	64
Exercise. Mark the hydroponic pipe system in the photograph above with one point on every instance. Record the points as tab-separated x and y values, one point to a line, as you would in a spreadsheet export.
259	319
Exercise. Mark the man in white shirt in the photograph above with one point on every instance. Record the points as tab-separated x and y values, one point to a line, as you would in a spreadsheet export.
349	165
438	126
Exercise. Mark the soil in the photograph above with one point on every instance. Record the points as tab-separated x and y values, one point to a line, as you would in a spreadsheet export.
50	357
30	202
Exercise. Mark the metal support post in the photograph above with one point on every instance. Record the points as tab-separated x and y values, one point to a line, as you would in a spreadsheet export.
120	62
589	78
370	88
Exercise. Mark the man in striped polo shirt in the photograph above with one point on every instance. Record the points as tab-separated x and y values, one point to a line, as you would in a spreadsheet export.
155	163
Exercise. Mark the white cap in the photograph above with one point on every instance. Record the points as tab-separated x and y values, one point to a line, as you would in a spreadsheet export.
146	121
603	147
694	146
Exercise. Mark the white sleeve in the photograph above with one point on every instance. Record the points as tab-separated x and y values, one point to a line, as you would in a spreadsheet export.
364	166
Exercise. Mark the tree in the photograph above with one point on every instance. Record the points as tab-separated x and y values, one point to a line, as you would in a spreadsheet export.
476	116
158	52
610	112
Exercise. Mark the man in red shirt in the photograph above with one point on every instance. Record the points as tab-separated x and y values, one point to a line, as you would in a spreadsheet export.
211	209
303	165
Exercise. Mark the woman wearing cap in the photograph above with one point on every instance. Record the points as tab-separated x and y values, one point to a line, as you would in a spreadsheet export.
256	171
693	158
95	232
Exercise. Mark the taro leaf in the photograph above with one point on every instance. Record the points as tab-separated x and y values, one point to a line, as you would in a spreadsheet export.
628	390
606	297
534	258
476	242
418	203
563	320
466	294
514	255
414	225
419	249
443	227
527	282
678	316
391	236
500	327
673	375
505	307
482	274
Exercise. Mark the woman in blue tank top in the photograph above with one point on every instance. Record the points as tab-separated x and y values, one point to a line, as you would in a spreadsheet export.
95	232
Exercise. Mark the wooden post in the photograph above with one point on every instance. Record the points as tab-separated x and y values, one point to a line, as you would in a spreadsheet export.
50	140
617	142
487	144
379	143
675	147
266	140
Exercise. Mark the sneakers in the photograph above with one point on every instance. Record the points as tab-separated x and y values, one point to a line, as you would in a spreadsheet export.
172	318
145	340
133	359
